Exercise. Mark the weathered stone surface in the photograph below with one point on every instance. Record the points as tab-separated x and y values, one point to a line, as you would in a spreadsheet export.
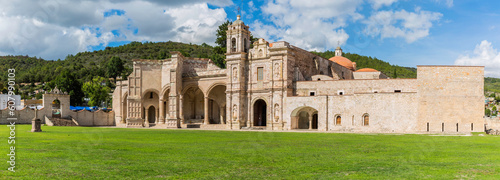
278	86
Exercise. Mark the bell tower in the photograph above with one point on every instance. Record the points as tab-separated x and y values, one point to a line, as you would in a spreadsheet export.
238	37
238	44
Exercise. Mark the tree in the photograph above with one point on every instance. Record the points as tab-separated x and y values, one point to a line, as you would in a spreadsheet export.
95	91
114	67
487	112
67	82
222	36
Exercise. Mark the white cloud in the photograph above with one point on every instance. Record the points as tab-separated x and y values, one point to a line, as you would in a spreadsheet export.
484	55
401	24
448	3
55	28
312	25
196	23
376	4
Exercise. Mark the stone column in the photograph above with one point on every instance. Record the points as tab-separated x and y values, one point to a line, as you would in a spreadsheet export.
181	113
146	120
222	115
162	106
310	121
206	111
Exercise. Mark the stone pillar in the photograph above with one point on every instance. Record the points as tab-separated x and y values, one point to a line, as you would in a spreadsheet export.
181	113
206	111
310	121
36	124
222	115
146	120
162	106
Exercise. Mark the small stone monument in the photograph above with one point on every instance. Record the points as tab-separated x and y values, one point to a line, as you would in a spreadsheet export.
36	123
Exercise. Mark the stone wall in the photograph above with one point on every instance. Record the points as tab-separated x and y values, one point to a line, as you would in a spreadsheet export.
369	75
387	112
334	87
96	118
450	98
84	118
492	123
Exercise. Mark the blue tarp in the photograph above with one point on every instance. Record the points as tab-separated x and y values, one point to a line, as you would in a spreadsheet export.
78	108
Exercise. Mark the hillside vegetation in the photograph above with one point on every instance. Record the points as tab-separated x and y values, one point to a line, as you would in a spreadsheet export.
392	71
492	84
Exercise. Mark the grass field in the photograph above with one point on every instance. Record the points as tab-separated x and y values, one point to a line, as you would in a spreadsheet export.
97	153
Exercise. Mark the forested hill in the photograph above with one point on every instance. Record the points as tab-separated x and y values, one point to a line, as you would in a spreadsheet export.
392	71
86	65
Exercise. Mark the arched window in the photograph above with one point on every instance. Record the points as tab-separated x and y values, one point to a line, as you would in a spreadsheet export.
261	53
338	120
366	120
233	45
245	45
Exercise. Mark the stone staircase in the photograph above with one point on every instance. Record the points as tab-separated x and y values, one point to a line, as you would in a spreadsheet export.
60	122
254	128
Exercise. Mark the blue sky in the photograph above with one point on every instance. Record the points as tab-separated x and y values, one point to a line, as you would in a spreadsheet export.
402	32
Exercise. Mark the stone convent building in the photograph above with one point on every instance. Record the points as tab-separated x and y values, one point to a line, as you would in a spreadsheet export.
278	86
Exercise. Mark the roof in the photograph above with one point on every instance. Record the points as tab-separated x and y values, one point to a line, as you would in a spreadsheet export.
238	21
367	70
343	62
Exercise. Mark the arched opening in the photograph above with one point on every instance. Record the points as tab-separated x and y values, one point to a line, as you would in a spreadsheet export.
124	109
260	113
165	102
150	99
338	120
233	45
217	105
245	45
56	108
151	114
304	118
315	121
193	105
366	120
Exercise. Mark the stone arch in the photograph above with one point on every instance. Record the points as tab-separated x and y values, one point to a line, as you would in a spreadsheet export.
233	44
187	86
56	108
150	97
304	117
149	90
124	108
366	119
217	103
151	115
165	89
259	112
338	119
163	104
213	85
193	104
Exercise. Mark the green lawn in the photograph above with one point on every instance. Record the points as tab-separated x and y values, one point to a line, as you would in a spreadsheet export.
114	153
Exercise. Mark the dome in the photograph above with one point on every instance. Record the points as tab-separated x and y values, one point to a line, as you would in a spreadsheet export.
238	21
343	62
367	70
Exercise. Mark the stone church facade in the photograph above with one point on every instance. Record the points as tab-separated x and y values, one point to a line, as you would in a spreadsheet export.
278	86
